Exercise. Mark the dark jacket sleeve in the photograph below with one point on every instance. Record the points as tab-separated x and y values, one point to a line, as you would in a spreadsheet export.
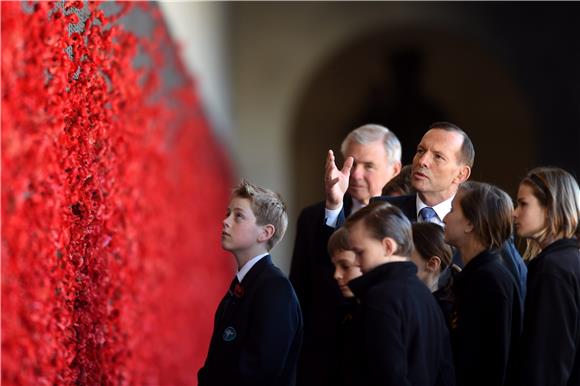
548	341
311	242
274	334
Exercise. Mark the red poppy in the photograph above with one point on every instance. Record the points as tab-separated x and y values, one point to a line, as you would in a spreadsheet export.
239	291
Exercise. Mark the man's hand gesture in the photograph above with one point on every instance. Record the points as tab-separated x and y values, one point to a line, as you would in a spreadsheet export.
336	181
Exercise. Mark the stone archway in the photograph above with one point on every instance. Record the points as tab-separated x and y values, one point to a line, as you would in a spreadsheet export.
458	80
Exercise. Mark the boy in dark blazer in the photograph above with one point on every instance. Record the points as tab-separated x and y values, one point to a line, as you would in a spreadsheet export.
258	324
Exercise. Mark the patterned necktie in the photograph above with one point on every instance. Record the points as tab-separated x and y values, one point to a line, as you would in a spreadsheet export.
427	214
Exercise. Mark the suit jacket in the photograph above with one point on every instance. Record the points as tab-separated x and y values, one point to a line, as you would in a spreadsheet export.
550	352
511	258
257	332
323	306
404	336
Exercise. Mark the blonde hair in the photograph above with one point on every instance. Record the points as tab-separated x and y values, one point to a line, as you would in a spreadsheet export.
558	193
267	206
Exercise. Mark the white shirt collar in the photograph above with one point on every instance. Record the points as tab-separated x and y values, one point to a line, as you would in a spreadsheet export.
246	268
441	209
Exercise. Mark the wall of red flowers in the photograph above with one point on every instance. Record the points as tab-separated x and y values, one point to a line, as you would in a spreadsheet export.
113	190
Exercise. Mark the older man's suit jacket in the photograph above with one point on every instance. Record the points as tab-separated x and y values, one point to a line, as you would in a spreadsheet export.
324	307
257	332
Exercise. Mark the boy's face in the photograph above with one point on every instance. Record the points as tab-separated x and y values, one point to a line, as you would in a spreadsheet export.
240	231
345	269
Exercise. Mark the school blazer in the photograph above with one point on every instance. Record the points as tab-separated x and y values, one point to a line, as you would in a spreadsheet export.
550	351
257	332
510	256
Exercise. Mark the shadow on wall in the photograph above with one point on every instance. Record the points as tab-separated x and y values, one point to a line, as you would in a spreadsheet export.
406	79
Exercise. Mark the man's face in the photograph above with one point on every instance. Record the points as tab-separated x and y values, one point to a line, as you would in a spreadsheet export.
371	170
437	169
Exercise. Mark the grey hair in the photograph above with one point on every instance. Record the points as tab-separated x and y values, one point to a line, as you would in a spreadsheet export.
370	133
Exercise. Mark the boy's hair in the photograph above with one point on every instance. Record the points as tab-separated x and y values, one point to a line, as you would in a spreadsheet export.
558	193
429	240
382	219
338	241
490	210
267	206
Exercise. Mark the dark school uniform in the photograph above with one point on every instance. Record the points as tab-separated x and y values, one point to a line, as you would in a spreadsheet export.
550	346
510	256
257	332
349	363
405	340
487	321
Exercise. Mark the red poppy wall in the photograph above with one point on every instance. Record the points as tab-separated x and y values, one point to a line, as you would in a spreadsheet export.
113	190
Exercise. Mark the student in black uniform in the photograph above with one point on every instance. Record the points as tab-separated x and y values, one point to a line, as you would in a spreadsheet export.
346	268
258	324
432	256
547	215
487	318
404	338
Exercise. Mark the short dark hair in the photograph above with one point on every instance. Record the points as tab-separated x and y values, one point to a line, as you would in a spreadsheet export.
490	211
467	149
400	184
429	240
385	220
338	241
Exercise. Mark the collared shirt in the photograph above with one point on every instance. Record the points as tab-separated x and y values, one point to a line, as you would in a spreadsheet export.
246	268
440	209
331	215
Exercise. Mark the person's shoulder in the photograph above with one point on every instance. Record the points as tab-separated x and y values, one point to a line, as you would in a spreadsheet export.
560	263
314	210
272	276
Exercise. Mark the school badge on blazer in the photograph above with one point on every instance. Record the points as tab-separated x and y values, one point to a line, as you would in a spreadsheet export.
229	334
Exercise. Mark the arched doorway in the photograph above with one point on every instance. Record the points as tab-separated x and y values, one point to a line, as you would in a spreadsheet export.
420	75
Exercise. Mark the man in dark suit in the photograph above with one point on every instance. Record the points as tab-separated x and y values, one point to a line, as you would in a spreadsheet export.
443	160
372	157
258	325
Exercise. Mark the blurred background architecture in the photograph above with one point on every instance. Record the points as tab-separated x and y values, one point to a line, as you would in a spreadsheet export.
284	81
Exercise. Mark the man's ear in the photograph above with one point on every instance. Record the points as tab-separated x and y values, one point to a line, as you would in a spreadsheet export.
266	233
389	246
463	175
396	169
433	264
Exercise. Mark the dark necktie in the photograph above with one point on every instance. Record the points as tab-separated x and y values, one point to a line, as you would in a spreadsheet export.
427	214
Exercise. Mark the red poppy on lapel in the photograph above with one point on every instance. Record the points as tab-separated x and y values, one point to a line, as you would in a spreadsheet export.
239	291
